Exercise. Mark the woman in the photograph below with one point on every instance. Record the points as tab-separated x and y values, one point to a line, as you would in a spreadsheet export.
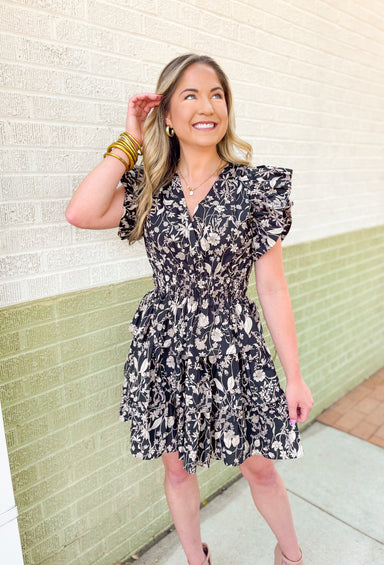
199	380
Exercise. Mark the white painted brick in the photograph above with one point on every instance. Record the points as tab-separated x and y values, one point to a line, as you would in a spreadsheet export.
80	33
214	6
161	29
308	86
104	274
16	266
14	133
143	48
134	269
115	17
19	77
35	238
112	66
86	236
215	24
17	213
63	110
39	286
34	51
48	160
152	6
19	19
60	7
89	86
72	257
248	14
28	187
136	251
112	114
53	211
14	104
70	280
12	292
178	11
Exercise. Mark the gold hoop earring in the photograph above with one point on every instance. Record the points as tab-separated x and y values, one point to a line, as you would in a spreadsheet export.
169	131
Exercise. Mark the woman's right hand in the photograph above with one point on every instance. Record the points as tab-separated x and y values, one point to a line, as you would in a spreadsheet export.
139	107
97	204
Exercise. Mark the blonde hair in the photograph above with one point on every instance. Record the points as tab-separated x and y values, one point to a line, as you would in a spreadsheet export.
161	153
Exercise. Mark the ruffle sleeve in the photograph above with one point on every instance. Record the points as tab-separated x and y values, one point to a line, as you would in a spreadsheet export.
131	182
270	207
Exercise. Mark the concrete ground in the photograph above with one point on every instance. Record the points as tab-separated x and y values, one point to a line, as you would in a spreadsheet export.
337	497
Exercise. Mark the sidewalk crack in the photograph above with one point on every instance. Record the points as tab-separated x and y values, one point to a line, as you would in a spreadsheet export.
336	517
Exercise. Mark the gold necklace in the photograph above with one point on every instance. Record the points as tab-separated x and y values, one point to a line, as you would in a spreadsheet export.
192	190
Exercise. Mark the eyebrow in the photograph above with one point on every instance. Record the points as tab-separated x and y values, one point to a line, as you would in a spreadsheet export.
195	89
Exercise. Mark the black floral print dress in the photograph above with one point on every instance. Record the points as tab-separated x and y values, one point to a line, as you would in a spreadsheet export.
199	378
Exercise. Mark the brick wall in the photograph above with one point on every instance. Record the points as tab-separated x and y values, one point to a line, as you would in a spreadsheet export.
82	498
308	83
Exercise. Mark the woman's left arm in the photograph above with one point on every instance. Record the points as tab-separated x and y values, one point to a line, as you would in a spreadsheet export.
274	298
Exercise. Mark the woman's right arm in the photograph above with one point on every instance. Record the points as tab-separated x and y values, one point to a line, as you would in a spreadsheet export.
97	203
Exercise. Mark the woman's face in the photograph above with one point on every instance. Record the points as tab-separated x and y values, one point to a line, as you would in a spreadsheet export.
198	111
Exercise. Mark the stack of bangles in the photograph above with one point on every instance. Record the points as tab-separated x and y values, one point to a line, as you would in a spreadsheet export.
128	144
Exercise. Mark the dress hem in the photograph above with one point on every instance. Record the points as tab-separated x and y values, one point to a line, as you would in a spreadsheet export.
191	468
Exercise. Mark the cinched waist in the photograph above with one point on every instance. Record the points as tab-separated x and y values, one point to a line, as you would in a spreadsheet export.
200	292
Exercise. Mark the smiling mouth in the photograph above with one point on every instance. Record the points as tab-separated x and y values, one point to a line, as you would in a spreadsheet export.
204	125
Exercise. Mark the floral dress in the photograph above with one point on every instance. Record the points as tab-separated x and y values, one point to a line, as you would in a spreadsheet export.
199	378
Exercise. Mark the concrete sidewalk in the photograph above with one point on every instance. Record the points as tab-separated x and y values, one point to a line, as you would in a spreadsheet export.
337	496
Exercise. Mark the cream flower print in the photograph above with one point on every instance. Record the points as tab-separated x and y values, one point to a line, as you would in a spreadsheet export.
199	379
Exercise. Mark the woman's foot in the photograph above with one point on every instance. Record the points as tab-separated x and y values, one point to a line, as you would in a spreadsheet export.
208	558
280	559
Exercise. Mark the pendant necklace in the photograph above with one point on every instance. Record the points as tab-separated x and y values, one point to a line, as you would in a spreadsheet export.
192	189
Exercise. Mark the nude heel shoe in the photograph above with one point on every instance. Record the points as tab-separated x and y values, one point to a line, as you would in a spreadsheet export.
280	559
208	559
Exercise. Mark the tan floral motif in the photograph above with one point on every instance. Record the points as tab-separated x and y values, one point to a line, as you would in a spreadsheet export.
199	378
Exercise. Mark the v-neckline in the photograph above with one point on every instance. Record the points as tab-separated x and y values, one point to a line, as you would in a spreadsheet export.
210	191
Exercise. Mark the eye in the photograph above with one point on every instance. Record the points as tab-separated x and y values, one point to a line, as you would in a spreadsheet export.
217	95
190	97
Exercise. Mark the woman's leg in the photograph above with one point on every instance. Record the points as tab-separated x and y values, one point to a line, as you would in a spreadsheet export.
183	497
271	499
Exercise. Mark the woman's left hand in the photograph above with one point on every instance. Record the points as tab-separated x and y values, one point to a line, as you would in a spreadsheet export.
299	400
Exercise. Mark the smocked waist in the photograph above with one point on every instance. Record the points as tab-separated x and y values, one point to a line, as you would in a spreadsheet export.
200	291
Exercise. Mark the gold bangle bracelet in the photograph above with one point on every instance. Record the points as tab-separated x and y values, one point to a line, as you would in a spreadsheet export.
118	157
122	143
128	150
127	144
133	140
131	158
127	166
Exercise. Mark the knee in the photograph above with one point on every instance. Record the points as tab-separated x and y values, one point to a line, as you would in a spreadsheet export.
260	471
175	474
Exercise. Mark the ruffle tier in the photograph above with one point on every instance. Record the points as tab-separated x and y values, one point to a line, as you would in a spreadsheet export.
224	404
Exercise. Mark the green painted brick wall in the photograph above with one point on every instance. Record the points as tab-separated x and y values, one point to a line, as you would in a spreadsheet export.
81	497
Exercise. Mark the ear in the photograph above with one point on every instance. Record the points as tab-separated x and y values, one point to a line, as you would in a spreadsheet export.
168	119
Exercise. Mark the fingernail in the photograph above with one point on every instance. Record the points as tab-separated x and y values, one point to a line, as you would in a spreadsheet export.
293	422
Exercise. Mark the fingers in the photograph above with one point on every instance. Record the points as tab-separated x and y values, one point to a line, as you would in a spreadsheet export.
146	96
298	414
144	102
292	409
299	409
303	409
303	413
139	107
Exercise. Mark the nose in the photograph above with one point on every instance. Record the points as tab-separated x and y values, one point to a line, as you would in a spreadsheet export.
206	106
